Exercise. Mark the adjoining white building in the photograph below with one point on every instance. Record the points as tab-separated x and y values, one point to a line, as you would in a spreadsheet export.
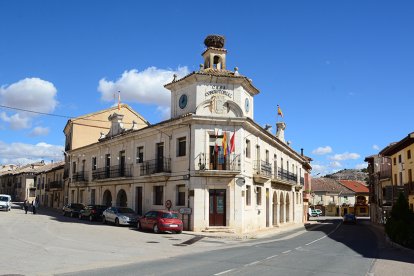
211	159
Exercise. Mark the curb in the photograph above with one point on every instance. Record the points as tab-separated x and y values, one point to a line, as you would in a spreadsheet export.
387	239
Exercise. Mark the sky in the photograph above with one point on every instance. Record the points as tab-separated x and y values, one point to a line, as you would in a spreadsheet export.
341	71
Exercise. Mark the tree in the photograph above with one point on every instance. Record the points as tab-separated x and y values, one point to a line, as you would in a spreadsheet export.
400	225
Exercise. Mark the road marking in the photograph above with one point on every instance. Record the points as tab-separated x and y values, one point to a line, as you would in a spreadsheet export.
286	251
271	257
325	235
253	263
297	248
224	272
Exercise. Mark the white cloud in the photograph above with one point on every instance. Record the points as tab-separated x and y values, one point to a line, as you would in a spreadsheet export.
335	164
361	166
375	147
145	87
32	94
345	156
322	150
39	131
20	153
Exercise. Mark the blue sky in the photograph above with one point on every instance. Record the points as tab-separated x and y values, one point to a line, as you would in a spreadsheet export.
342	71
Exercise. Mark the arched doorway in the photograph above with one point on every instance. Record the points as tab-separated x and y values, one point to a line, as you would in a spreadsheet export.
282	208
121	199
107	198
287	207
275	210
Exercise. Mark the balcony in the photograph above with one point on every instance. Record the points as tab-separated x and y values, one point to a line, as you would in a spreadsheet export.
112	172
80	177
286	177
56	185
228	165
156	166
262	171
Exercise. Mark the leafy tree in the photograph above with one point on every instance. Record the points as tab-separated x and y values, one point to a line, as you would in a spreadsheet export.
400	225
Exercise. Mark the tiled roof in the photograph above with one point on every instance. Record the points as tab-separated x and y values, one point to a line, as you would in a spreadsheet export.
329	185
356	186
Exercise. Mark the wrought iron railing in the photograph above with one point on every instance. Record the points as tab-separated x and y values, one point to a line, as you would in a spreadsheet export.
302	181
263	168
80	177
156	166
221	163
112	172
288	176
56	185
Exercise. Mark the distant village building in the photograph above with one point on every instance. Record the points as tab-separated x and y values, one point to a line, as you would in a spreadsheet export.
211	161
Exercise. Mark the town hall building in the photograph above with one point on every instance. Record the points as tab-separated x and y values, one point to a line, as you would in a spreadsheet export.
211	161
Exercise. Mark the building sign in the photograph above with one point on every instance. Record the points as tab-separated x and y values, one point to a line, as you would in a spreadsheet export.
218	90
185	211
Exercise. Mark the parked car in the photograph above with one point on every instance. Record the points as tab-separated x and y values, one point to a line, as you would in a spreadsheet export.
72	209
314	212
92	212
161	221
119	216
349	218
5	202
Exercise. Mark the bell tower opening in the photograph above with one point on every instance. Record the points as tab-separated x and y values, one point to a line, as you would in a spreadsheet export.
215	54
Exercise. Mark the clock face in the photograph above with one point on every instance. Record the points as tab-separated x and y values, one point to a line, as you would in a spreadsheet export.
247	105
182	102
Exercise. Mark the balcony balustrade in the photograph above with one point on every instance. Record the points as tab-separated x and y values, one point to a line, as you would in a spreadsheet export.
161	165
80	177
56	185
112	172
263	168
287	176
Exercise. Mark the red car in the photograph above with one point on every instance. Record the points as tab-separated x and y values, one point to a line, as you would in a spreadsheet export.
161	221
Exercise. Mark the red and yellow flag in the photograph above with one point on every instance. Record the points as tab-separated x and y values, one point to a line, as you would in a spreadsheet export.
279	111
224	143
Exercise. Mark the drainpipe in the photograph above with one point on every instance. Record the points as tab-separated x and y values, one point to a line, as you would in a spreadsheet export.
189	170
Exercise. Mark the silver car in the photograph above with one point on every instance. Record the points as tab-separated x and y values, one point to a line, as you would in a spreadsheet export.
120	216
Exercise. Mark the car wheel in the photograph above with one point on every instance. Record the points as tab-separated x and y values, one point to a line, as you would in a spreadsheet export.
117	222
156	229
103	220
90	218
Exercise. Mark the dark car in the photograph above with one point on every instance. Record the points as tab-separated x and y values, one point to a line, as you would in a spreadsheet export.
92	212
349	218
72	209
120	216
161	221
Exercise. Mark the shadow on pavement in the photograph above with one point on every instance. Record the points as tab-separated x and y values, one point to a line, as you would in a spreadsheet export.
365	238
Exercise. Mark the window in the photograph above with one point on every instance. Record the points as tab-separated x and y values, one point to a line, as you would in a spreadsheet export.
395	179
181	146
140	155
267	156
399	158
259	195
74	167
409	154
248	195
94	163
180	195
401	178
158	195
395	161
248	148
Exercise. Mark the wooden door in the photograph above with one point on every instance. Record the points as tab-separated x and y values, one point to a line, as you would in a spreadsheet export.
217	207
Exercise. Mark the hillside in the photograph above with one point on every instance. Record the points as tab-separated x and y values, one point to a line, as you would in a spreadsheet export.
349	174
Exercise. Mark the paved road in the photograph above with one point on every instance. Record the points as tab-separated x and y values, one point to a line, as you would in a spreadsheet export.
331	249
48	243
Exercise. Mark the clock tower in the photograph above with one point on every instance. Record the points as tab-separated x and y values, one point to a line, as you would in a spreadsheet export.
213	90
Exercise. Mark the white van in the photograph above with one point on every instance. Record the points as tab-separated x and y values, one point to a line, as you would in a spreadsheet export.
5	202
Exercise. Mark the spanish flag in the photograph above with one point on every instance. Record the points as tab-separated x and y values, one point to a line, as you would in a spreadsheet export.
224	142
279	111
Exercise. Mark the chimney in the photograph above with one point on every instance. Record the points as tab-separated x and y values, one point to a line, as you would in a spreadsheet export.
301	151
280	133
